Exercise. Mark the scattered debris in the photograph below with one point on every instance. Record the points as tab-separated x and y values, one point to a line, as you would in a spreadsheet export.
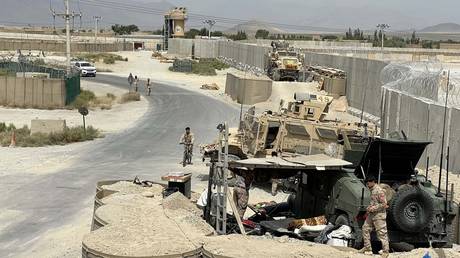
212	86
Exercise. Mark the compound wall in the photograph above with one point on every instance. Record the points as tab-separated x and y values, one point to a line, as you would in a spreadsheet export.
32	92
55	46
201	48
247	91
422	120
363	78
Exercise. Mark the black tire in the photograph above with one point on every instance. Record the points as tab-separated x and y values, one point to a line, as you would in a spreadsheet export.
411	210
342	219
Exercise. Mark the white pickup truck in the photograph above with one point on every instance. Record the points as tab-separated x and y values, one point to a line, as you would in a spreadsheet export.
85	68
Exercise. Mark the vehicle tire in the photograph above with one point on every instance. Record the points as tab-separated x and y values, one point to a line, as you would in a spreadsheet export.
411	210
342	219
402	247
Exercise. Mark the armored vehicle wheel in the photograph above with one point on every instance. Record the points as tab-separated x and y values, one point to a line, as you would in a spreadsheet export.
411	209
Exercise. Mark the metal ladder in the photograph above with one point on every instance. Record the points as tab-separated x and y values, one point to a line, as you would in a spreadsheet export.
220	173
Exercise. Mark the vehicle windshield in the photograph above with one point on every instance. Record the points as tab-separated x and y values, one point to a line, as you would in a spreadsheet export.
85	64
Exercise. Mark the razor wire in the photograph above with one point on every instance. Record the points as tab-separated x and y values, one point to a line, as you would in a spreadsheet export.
422	79
254	70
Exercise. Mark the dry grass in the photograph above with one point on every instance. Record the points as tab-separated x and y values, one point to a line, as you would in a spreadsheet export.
25	139
129	97
89	100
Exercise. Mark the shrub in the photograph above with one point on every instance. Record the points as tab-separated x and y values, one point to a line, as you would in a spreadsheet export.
69	135
111	96
130	96
83	100
109	60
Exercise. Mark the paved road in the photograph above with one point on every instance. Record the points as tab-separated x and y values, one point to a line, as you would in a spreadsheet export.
50	201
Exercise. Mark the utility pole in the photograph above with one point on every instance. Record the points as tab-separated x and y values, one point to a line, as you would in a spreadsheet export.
382	27
96	25
67	15
210	23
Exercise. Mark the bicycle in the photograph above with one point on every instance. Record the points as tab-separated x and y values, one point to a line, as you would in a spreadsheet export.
188	153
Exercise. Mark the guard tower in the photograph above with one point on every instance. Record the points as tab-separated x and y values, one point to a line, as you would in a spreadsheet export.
174	24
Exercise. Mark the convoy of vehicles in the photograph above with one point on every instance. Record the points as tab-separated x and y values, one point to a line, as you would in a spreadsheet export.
283	62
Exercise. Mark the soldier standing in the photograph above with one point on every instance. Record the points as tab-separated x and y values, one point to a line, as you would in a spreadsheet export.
376	218
241	191
136	82
130	81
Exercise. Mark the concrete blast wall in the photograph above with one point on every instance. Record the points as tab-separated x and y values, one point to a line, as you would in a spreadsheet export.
248	91
243	53
32	92
423	121
55	46
363	78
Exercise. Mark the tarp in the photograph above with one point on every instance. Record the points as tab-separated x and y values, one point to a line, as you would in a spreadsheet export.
299	162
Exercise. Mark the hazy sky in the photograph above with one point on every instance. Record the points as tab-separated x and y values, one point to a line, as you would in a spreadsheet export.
340	14
401	14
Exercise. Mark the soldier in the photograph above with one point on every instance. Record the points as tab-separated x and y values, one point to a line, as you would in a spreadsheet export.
376	218
136	82
241	191
130	81
148	87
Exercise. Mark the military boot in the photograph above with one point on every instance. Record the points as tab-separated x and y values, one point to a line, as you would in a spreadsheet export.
385	255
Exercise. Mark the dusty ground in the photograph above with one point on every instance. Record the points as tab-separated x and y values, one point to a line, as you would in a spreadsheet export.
50	159
115	120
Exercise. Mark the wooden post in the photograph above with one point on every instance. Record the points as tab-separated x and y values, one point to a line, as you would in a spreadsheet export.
235	212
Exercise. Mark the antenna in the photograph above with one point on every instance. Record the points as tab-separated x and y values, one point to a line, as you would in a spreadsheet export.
443	136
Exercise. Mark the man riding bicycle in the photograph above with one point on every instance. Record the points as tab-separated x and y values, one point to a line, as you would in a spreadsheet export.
187	139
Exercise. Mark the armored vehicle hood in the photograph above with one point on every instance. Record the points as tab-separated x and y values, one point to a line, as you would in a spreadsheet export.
398	158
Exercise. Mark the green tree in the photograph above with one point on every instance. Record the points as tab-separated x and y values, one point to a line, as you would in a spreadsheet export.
262	34
124	29
414	39
192	33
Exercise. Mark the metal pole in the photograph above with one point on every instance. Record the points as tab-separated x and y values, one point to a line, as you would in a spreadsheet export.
67	31
84	125
443	136
96	25
225	173
447	176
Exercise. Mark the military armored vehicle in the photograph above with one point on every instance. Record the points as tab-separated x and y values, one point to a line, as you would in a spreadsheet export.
418	213
304	127
283	62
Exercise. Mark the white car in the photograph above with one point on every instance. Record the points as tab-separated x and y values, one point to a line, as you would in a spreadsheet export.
85	68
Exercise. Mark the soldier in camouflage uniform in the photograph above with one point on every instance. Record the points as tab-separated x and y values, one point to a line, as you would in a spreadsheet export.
376	218
241	191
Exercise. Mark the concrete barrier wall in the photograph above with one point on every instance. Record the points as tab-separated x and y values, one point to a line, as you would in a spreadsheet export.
363	78
55	46
32	92
422	120
248	91
311	43
243	53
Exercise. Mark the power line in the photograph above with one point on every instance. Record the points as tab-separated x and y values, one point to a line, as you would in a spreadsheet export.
192	16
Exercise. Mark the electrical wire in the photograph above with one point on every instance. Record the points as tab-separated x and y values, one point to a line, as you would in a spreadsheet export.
191	15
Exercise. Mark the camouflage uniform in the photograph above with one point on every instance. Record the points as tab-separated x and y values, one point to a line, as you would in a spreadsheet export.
376	219
241	192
